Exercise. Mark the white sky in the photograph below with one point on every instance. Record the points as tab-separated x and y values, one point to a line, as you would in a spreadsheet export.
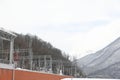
77	27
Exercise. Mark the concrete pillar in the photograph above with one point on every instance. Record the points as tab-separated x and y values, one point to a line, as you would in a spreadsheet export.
11	51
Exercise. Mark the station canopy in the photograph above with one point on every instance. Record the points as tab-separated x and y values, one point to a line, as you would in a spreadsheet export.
6	35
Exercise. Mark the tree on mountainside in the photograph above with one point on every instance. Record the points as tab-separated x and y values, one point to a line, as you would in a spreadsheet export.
40	47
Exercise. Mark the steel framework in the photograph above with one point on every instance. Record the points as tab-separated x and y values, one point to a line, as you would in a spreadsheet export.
9	36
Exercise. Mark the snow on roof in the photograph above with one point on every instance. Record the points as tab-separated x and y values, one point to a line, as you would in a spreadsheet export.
8	32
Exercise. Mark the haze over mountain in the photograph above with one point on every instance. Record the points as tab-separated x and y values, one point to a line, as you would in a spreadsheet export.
104	63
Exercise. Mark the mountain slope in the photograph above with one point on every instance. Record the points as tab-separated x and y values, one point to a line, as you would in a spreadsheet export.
101	60
112	71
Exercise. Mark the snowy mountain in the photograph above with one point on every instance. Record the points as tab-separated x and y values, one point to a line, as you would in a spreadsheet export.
104	63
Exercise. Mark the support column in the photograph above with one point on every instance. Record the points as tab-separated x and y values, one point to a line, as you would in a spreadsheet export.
30	54
11	51
45	63
39	63
51	64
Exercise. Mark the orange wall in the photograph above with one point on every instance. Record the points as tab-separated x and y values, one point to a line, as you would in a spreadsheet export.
6	74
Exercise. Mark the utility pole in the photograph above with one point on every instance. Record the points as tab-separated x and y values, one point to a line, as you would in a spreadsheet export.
30	53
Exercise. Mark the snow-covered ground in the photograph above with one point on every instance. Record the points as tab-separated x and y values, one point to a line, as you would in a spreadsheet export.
6	66
87	79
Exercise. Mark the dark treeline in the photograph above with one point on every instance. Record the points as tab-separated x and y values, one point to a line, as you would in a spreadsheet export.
39	47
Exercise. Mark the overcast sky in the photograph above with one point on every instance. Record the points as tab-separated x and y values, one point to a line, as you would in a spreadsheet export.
77	27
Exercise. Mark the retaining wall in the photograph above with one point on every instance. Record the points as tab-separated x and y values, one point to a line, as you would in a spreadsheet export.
9	74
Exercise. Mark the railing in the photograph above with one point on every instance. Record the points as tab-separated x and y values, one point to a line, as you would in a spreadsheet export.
4	61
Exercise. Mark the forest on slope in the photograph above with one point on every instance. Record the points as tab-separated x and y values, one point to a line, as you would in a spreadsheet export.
39	47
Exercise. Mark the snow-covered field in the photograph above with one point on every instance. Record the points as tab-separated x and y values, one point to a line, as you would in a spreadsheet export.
6	66
87	79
